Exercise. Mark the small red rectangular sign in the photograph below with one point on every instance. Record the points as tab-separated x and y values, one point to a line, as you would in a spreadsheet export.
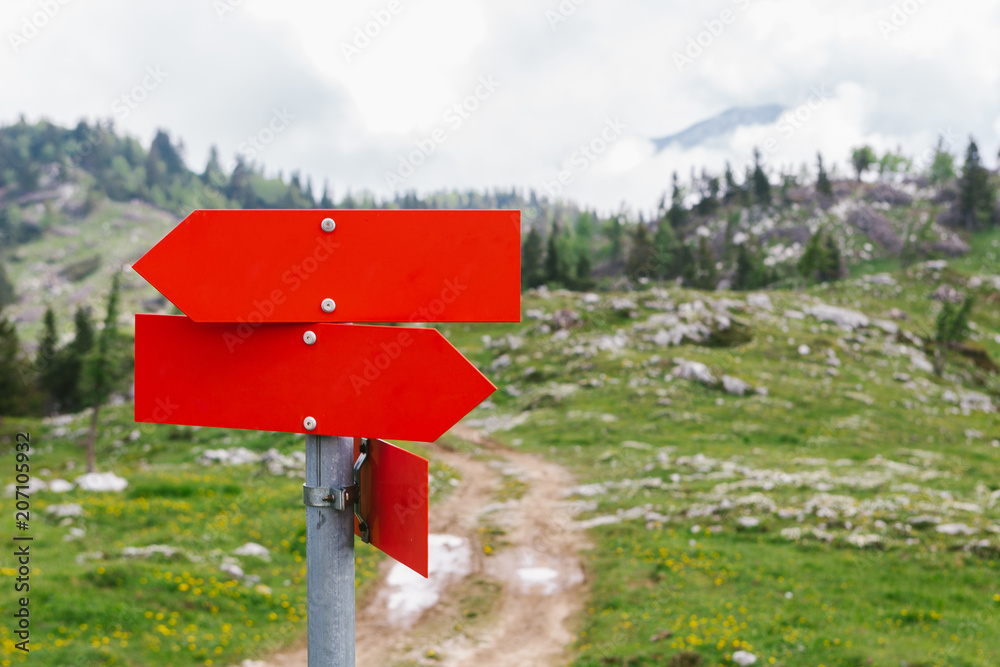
394	499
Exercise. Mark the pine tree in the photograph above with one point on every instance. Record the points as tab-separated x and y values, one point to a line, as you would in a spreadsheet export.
746	192
531	260
951	328
677	215
213	175
7	295
308	194
750	273
665	248
45	359
584	233
102	368
707	275
823	185
811	259
12	388
614	232
156	172
64	384
168	153
642	256
583	247
761	184
709	191
686	267
553	260
976	196
239	189
788	181
583	280
326	201
733	191
821	261
832	265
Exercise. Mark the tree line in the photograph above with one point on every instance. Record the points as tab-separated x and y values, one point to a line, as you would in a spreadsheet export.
120	168
81	374
676	244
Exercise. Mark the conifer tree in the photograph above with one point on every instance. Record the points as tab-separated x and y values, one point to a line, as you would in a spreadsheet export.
45	359
831	268
642	256
614	232
686	267
583	245
213	175
326	201
811	258
102	368
821	261
750	273
950	328
531	260
583	270
707	275
6	288
665	249
553	260
709	190
584	233
64	383
761	184
677	215
733	190
823	185
12	388
976	196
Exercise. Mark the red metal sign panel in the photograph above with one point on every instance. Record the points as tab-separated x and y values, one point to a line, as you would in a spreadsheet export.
348	380
394	500
372	266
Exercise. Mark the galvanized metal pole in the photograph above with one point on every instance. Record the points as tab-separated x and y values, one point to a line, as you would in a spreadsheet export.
330	555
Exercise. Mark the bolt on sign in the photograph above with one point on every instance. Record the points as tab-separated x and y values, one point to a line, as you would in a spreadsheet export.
266	343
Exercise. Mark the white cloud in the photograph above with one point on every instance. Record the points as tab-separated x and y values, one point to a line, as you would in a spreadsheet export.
938	69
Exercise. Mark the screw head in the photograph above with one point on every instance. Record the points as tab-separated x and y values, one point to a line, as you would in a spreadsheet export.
309	423
309	337
328	225
328	305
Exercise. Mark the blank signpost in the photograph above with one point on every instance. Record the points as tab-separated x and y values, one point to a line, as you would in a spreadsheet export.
264	344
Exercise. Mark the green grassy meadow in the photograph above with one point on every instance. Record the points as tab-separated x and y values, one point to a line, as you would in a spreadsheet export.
92	604
833	472
811	524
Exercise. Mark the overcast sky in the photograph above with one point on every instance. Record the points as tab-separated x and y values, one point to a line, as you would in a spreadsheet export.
534	80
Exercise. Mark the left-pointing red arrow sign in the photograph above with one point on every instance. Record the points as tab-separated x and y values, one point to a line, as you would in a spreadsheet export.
341	266
327	379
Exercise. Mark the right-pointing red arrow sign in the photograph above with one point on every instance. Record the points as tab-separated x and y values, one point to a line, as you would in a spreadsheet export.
327	379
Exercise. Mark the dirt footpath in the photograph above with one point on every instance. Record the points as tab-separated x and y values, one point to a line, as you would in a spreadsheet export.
512	607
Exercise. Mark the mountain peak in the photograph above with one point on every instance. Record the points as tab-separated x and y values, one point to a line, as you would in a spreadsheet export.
720	125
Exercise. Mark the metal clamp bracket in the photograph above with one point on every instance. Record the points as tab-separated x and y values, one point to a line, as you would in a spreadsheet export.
363	527
337	497
342	497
